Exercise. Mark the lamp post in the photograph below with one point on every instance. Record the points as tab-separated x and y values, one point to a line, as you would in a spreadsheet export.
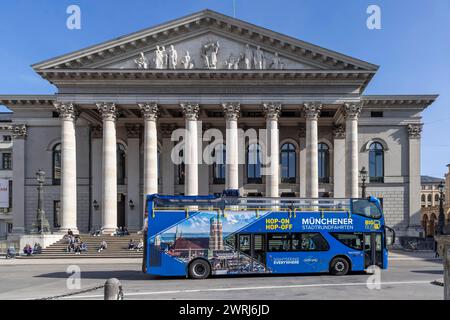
41	225
441	219
363	176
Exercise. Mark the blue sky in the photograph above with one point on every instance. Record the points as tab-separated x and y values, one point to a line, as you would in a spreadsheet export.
412	48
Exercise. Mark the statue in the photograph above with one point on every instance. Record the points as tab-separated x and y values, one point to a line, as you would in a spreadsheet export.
259	59
210	53
159	58
276	62
187	61
173	58
248	57
142	61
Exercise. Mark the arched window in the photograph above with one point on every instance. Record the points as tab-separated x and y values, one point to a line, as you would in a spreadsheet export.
432	225
425	224
436	197
254	164
219	154
181	173
423	198
376	162
288	163
56	166
121	163
429	199
324	163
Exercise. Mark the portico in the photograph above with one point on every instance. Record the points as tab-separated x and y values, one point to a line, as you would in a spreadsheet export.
109	135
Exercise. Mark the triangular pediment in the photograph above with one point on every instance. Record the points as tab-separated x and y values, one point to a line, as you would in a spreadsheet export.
214	41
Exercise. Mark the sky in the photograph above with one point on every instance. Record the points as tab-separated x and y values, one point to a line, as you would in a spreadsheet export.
412	47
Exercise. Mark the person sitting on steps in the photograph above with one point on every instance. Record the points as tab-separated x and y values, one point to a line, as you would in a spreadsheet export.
103	246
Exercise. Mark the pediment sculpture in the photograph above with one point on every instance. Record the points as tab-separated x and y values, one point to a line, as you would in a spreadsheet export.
247	59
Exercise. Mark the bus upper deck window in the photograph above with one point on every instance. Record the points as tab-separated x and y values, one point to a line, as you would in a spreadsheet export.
366	208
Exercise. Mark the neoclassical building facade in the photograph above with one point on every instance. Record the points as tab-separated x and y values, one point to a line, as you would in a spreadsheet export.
106	138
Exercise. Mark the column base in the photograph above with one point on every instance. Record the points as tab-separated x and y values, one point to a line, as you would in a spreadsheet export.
106	230
65	230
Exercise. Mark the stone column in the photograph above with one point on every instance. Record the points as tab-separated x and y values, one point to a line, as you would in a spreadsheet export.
97	147
167	165
109	192
339	162
68	193
150	113
190	112
302	160
312	112
414	223
19	133
272	113
232	111
352	112
133	215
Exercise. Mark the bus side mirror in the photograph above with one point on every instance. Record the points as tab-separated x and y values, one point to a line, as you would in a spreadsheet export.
390	236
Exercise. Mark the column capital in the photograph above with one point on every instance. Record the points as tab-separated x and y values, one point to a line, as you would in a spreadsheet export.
312	110
415	131
97	132
190	110
339	131
133	131
166	130
149	110
231	110
66	110
108	111
19	131
352	110
272	110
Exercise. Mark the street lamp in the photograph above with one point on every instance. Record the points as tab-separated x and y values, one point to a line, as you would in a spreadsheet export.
363	176
441	219
41	225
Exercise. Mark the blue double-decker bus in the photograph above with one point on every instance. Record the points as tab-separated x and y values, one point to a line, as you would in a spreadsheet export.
199	236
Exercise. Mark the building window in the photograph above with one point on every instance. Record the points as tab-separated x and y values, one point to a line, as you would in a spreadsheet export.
254	164
121	163
57	164
429	198
436	197
181	169
56	214
6	138
10	196
6	161
288	163
219	154
376	114
423	198
324	163
376	162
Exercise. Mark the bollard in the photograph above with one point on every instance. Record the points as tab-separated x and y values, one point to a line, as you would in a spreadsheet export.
446	258
113	289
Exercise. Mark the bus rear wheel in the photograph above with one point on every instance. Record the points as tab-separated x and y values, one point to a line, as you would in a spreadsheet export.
199	269
339	266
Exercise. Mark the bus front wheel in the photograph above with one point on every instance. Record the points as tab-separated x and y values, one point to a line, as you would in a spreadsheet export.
339	266
199	269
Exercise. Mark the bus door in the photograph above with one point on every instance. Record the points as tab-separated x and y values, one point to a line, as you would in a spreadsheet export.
373	249
253	245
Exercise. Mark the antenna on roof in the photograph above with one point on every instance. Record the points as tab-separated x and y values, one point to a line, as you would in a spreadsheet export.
234	8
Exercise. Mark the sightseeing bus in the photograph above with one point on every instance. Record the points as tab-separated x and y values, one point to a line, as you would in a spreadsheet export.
199	236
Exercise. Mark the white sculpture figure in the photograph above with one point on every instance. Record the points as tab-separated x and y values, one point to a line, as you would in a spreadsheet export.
260	60
210	51
214	54
229	63
248	57
142	61
165	55
173	58
276	62
187	62
159	58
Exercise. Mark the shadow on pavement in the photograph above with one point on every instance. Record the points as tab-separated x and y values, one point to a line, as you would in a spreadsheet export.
440	272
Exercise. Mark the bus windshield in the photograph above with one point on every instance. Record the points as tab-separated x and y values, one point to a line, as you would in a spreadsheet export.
366	208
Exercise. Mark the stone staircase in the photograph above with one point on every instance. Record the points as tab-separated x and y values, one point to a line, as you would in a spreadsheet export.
117	248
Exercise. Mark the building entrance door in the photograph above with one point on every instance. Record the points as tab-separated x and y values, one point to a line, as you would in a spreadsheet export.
121	210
